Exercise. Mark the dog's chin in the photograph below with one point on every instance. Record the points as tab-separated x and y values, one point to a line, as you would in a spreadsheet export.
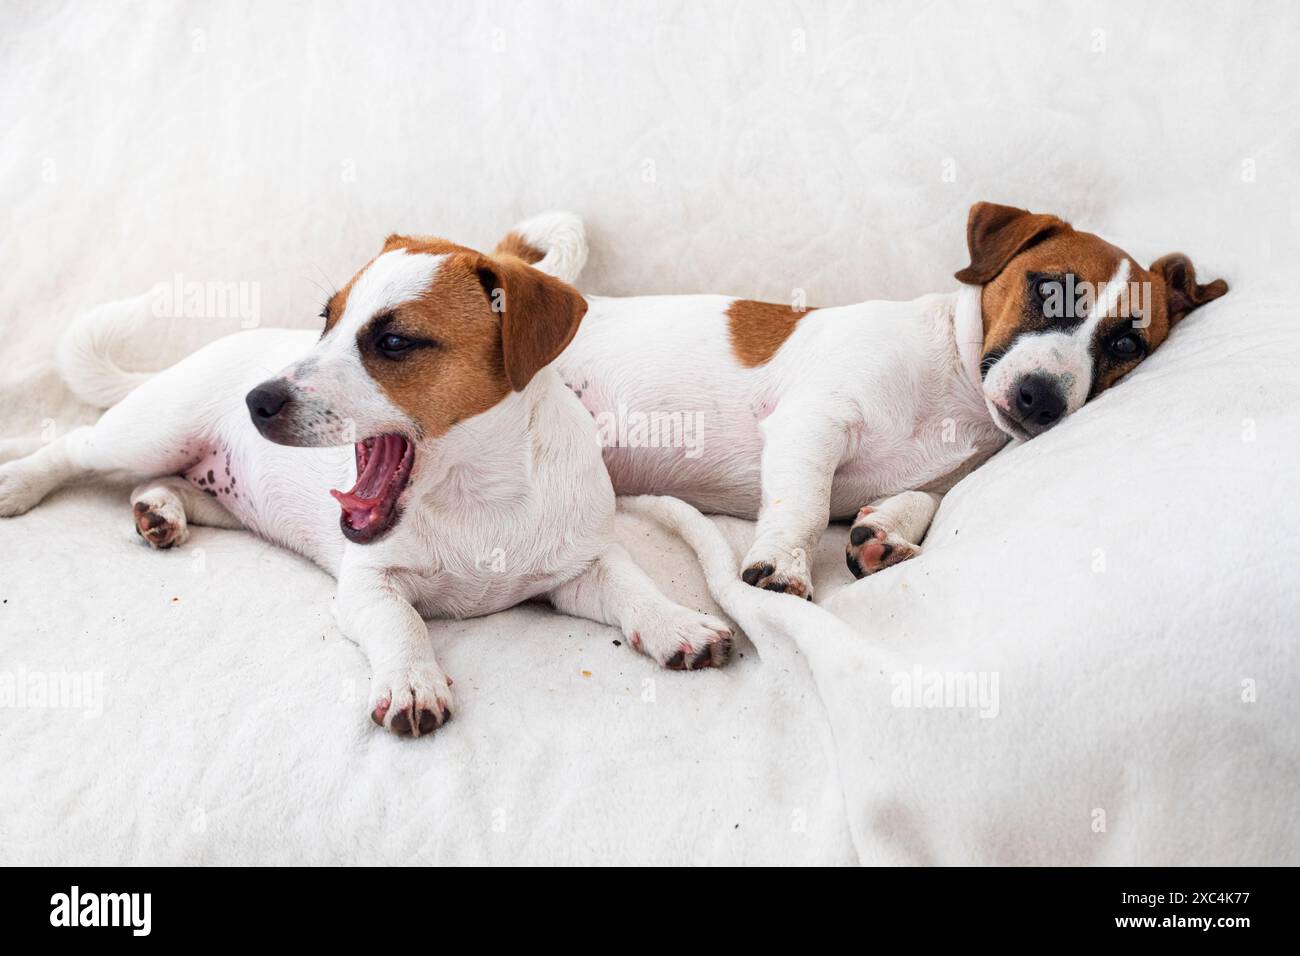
1006	424
288	435
370	508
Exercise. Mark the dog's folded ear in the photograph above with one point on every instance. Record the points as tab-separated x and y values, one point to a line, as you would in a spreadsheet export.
997	234
1182	293
539	314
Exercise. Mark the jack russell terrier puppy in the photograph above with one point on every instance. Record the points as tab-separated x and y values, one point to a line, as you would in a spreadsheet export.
435	362
872	410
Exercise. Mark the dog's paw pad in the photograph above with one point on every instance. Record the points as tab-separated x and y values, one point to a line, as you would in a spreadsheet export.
161	525
764	574
683	640
872	548
412	703
715	654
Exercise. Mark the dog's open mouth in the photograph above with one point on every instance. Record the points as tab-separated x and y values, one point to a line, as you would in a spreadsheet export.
383	469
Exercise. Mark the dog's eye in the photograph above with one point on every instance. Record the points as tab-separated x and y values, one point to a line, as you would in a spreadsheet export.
1126	347
1045	293
391	344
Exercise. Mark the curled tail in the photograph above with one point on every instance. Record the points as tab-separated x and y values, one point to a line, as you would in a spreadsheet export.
552	242
87	347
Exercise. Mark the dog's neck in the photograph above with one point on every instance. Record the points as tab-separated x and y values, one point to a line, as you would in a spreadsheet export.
968	331
487	458
959	326
964	338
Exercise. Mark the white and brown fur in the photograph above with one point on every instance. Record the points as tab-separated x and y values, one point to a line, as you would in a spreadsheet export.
507	499
869	411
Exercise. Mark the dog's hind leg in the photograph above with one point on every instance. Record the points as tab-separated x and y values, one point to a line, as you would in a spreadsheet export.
153	431
164	508
614	590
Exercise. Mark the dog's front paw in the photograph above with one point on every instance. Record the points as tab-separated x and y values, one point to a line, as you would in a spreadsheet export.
874	546
411	702
682	640
161	522
785	575
20	489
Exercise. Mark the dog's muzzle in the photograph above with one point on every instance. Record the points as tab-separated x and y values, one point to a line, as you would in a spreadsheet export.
270	406
1040	403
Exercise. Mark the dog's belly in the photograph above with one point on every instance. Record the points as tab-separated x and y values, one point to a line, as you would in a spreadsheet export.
720	481
669	401
679	415
278	493
730	482
866	477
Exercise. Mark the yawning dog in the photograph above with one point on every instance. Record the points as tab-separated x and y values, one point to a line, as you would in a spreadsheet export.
477	482
871	410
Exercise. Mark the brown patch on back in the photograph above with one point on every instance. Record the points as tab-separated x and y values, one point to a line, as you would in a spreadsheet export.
759	329
515	245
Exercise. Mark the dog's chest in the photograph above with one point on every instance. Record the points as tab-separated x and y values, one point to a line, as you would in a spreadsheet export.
443	594
477	583
473	559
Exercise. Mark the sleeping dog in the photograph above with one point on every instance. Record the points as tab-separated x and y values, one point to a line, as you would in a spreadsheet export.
478	481
871	410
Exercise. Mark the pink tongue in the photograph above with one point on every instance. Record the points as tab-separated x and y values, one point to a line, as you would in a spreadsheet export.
368	491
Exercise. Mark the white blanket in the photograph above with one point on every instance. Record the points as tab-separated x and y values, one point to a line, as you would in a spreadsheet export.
1123	589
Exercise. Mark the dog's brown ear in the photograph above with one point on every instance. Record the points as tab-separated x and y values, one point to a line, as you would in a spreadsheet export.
996	234
539	314
1182	293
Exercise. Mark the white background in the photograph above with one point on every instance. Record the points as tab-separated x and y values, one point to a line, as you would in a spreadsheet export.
748	148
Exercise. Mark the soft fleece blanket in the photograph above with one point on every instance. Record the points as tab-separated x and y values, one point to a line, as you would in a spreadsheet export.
1094	659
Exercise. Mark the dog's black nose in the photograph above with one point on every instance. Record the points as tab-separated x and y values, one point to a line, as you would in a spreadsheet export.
267	400
1039	401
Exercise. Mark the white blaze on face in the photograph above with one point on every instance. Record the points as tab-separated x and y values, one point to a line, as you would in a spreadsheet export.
1065	356
337	400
